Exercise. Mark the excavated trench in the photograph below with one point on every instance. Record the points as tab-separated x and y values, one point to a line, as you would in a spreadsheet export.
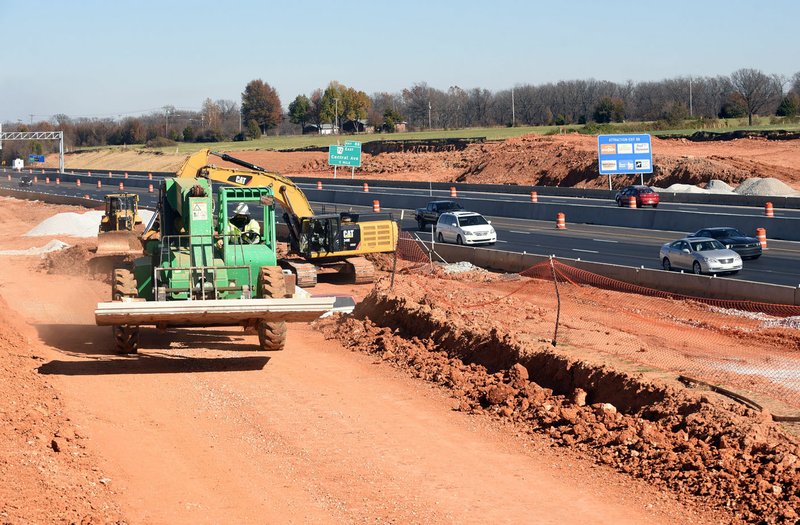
693	443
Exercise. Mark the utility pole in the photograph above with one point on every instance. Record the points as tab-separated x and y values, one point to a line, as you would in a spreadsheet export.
166	121
336	113
690	97
429	115
513	113
31	115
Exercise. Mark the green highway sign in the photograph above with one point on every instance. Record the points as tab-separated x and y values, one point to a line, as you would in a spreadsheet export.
347	155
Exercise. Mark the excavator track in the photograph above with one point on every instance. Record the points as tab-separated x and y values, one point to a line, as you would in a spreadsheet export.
362	270
305	273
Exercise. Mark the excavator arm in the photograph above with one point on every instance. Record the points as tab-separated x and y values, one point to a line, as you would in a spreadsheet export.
287	193
290	196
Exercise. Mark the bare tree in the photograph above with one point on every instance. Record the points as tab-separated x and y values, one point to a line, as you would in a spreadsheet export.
755	88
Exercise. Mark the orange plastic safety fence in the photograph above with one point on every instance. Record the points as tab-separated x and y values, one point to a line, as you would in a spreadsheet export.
749	347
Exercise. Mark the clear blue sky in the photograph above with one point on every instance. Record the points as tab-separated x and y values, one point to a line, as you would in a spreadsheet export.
111	58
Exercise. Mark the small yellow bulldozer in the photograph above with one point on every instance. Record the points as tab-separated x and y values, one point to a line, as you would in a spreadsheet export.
118	232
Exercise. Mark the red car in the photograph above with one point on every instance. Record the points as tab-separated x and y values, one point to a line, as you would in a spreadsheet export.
645	196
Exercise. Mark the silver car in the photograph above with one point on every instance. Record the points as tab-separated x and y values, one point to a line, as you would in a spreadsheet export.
700	255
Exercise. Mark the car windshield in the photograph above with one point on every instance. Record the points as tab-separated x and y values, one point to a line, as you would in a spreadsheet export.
705	246
472	220
727	232
645	190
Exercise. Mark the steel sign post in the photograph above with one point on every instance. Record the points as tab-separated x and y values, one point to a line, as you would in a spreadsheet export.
625	155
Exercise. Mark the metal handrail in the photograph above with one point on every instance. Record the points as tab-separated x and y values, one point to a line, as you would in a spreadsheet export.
169	241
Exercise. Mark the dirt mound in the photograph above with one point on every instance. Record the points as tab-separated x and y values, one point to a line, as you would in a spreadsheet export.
71	261
80	260
47	475
555	160
691	443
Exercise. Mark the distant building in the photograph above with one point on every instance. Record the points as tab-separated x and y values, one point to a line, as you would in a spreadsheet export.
357	126
324	129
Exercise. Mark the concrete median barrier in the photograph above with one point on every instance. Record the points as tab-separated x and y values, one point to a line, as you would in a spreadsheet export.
675	282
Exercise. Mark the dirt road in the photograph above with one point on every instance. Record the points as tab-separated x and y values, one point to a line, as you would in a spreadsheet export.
203	429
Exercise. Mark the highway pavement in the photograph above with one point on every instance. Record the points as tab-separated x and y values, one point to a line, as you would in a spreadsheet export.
605	244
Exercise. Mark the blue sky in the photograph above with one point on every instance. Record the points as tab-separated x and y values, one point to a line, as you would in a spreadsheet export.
112	58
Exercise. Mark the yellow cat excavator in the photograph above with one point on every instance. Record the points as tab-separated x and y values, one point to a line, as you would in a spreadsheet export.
335	241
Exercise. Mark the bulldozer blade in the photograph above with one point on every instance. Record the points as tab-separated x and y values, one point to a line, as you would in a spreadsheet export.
118	242
221	312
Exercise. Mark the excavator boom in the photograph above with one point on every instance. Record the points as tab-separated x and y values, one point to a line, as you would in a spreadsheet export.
290	196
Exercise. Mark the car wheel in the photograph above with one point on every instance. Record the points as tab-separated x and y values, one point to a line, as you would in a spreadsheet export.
420	225
440	237
696	268
459	240
655	205
755	257
666	264
734	272
619	203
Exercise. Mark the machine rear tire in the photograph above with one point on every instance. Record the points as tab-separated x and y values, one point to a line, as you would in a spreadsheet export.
126	337
271	284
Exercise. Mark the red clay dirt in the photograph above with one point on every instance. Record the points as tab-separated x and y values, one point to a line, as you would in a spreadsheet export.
201	428
559	160
692	443
554	160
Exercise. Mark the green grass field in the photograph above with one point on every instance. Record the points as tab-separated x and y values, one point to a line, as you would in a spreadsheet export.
285	142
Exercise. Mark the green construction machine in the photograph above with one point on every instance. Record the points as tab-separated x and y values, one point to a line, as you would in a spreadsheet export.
198	270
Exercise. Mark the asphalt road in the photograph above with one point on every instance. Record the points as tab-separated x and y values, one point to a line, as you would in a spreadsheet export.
605	244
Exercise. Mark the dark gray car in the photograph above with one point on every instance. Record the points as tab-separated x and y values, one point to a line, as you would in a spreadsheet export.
746	246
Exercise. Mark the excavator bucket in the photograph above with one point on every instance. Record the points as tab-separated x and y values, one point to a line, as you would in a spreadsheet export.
120	242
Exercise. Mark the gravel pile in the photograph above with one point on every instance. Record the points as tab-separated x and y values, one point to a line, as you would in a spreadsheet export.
75	224
52	246
767	186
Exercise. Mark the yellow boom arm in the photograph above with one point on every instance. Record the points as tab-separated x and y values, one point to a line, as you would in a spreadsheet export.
290	196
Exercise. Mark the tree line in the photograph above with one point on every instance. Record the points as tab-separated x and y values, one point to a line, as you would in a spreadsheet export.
745	93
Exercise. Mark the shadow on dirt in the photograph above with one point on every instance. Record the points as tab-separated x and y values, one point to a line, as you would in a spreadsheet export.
78	339
160	351
153	364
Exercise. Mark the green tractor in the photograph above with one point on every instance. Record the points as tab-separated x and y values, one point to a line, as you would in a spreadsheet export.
200	269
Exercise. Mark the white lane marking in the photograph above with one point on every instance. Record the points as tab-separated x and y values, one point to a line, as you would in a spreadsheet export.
500	241
603	240
587	251
514	231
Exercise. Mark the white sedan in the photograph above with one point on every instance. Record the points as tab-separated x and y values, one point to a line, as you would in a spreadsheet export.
465	227
700	255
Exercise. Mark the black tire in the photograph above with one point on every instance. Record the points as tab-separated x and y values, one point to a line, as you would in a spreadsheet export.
619	203
440	238
420	224
655	206
696	268
459	240
271	335
666	265
126	337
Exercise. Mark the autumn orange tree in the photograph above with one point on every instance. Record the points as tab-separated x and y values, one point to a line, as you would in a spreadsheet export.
261	104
